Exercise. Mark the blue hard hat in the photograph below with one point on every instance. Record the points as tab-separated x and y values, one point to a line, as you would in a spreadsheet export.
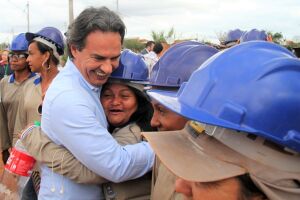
132	67
188	42
178	62
233	36
19	43
50	34
252	87
254	34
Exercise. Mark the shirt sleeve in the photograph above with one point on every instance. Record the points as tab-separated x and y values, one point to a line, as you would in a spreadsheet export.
58	158
5	140
75	125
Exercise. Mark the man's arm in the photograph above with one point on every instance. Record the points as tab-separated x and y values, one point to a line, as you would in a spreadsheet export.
75	124
58	158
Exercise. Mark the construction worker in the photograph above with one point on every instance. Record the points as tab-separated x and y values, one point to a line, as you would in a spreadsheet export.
232	38
45	48
255	34
170	72
128	112
249	145
10	89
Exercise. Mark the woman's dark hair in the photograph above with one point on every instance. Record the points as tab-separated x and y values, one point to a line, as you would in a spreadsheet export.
142	116
43	49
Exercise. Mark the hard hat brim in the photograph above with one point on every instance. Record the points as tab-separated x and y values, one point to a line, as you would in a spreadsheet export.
169	99
188	160
29	36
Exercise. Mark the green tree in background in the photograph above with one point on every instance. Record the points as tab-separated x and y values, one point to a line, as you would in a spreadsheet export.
133	44
161	36
4	46
277	37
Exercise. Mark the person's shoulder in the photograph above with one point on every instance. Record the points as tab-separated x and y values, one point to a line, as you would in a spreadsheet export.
66	91
5	80
32	82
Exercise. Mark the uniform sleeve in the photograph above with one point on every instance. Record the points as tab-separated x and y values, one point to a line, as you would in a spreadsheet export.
5	140
74	124
58	158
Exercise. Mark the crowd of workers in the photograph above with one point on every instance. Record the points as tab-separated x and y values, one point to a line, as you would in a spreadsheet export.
191	122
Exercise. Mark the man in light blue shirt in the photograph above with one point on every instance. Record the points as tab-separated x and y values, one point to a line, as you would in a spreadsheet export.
74	118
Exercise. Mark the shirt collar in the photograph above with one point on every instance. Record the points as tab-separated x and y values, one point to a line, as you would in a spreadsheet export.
37	81
12	77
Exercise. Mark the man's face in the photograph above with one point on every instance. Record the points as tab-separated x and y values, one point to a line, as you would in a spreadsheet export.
99	58
151	47
165	120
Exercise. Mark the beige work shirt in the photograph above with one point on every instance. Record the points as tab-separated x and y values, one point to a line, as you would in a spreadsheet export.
10	91
163	183
30	100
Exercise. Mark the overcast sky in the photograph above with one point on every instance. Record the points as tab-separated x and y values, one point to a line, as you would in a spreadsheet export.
202	19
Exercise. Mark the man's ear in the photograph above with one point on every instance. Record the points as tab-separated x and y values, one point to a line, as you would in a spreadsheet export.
74	51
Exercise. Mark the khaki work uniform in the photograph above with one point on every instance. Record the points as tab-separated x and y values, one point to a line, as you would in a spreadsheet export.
163	183
10	91
63	162
30	100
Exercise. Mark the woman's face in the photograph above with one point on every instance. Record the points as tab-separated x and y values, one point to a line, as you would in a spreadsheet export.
35	59
119	103
17	61
165	120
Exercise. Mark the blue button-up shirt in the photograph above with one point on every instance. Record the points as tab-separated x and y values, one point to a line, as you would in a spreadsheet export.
74	118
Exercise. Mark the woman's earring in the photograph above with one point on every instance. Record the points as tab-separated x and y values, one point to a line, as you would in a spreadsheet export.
48	68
